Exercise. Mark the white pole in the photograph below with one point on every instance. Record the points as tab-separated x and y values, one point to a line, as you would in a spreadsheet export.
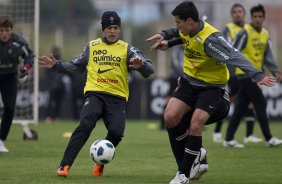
36	52
59	37
161	63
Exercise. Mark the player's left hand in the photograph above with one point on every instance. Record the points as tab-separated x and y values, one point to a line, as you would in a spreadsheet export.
163	45
159	39
23	76
136	63
267	81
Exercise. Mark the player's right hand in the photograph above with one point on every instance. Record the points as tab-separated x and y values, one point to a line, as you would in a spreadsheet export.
157	37
267	81
47	62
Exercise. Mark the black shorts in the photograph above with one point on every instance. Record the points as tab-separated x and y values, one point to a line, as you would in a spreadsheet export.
210	99
173	85
233	85
219	114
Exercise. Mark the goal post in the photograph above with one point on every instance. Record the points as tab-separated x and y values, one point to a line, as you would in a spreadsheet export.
25	15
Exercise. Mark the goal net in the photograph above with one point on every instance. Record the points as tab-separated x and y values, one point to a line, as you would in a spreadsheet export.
25	15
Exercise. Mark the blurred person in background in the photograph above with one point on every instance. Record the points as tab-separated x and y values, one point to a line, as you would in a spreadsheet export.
253	41
77	96
13	48
229	32
202	88
56	89
108	61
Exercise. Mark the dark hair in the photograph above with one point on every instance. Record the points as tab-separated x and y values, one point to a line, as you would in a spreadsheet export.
110	18
236	5
258	8
6	21
185	10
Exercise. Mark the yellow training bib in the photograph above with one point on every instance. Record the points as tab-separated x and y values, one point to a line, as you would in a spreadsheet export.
255	48
197	64
107	68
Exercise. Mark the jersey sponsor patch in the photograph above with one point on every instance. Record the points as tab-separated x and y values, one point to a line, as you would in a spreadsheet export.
95	43
103	58
16	44
132	49
103	71
121	44
227	43
107	80
86	102
199	39
218	51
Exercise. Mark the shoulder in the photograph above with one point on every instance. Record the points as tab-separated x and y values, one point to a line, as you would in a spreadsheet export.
229	27
230	24
210	28
94	42
214	37
122	43
265	31
242	32
18	38
208	31
225	29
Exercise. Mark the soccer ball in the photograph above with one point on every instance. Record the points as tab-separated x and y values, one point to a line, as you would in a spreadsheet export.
102	151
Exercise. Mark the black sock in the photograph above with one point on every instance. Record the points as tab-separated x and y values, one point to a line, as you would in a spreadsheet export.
162	123
178	138
218	126
192	149
250	120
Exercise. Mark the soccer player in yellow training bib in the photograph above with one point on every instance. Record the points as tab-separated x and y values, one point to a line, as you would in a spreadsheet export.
108	60
229	32
202	87
253	42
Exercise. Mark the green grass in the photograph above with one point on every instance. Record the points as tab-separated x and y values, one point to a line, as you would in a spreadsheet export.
144	156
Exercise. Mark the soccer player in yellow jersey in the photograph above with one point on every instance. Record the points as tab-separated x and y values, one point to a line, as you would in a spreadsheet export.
253	42
202	87
108	61
229	32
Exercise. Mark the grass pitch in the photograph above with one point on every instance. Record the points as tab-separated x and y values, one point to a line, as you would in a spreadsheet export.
143	157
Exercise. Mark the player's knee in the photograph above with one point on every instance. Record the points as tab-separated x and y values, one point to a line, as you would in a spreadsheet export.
83	130
195	129
171	120
86	125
